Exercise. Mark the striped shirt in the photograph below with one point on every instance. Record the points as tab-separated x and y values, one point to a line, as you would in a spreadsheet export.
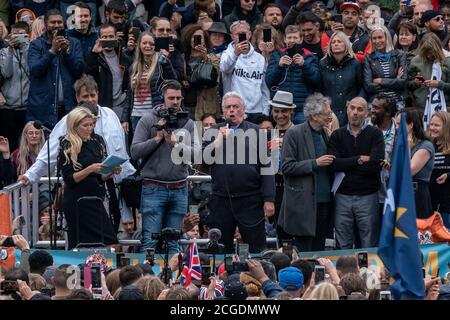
385	66
142	101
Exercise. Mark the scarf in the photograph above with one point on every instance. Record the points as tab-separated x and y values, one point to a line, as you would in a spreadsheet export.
435	99
383	56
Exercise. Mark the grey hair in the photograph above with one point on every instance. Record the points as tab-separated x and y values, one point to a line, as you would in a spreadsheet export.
239	22
232	94
314	104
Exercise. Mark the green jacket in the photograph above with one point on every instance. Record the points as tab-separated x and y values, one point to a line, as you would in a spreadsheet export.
4	11
418	93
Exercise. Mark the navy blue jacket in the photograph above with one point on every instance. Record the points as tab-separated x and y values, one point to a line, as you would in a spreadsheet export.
301	81
43	66
87	40
341	81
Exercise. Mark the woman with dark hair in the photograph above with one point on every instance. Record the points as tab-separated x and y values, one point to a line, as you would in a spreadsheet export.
199	99
429	75
407	39
422	160
385	69
439	132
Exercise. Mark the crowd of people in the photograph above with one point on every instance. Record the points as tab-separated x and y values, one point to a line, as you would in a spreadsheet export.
320	87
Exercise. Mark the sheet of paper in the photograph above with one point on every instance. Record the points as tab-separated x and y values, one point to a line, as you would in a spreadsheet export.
338	177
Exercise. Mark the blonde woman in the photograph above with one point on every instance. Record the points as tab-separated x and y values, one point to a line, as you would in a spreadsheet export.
37	28
147	74
80	157
31	142
439	133
341	74
385	69
324	291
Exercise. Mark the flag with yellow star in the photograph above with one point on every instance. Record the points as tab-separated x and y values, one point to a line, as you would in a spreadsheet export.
399	246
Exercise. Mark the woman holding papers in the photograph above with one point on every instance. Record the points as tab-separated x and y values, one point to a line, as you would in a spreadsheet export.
80	159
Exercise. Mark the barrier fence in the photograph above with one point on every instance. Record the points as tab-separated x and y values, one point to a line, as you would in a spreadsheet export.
24	200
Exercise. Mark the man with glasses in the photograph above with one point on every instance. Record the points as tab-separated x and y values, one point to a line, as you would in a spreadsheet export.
110	69
164	189
433	21
244	10
305	164
359	151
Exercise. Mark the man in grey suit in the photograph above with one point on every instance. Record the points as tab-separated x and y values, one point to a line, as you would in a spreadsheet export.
306	208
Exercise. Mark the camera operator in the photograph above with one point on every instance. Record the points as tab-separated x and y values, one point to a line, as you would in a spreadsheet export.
19	242
164	190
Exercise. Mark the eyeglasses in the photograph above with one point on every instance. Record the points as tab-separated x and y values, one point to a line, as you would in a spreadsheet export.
162	30
247	1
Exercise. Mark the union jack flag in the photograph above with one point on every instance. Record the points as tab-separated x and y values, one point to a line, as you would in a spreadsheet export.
192	268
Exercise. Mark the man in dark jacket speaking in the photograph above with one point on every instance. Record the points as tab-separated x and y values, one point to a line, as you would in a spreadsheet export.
243	191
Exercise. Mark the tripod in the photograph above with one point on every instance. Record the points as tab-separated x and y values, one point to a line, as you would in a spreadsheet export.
166	273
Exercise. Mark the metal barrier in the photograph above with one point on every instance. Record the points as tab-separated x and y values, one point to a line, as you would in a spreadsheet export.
21	203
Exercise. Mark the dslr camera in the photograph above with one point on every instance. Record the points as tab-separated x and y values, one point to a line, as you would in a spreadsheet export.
167	234
174	119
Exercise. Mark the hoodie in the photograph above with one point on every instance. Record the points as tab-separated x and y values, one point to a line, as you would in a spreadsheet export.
16	76
253	17
245	74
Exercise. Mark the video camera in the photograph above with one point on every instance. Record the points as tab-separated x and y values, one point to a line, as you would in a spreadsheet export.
174	119
167	234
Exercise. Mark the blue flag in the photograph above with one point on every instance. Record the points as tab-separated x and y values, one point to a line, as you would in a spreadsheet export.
399	246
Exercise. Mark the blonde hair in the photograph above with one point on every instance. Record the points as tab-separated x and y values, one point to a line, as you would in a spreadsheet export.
431	42
137	68
443	142
150	286
348	46
324	291
5	29
25	150
387	35
74	119
37	28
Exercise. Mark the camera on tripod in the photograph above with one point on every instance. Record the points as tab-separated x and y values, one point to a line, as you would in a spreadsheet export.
174	119
167	234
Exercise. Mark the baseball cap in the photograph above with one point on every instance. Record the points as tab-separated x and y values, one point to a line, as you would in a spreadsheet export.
349	4
290	278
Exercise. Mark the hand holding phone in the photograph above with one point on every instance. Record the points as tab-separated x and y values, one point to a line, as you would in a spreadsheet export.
319	274
363	260
242	37
267	35
197	40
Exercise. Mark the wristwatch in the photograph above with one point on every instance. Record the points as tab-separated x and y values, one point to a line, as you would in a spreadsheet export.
360	161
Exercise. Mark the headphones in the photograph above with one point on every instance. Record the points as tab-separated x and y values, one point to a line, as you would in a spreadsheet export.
163	86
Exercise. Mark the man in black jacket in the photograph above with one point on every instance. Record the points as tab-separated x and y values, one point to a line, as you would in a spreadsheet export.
359	150
243	192
110	69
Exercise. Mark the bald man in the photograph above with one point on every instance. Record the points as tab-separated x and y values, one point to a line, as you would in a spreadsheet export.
359	150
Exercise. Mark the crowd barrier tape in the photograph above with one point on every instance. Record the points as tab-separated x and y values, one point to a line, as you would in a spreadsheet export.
436	257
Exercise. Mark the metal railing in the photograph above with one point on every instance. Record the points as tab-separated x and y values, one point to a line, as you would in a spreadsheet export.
24	200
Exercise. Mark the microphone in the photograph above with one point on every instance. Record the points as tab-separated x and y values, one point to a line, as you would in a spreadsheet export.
228	123
214	234
38	125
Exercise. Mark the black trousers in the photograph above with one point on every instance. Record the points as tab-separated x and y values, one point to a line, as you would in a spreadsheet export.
13	122
246	213
309	243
